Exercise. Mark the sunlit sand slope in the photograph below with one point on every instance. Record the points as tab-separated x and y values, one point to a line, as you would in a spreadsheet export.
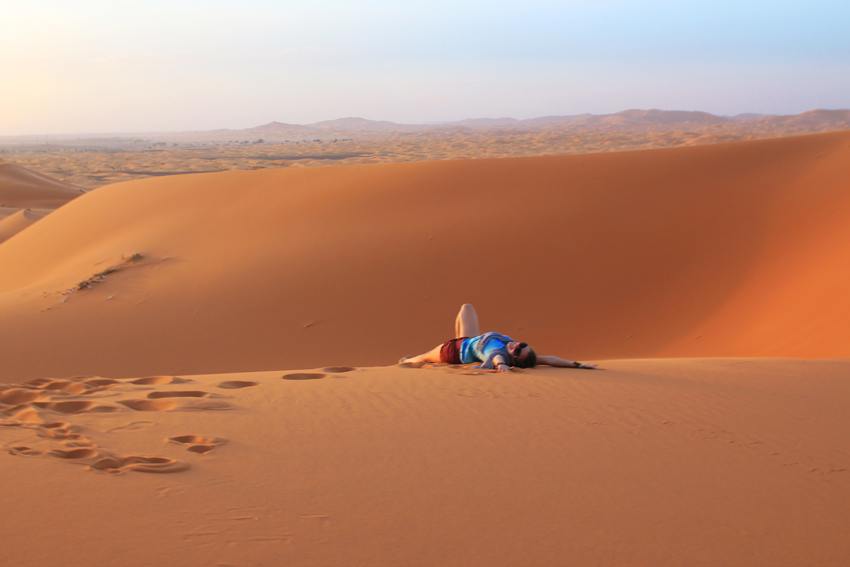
27	196
22	188
649	462
19	220
738	249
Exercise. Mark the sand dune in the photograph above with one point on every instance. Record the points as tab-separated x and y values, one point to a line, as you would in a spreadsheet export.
22	188
707	251
19	220
27	196
122	437
730	462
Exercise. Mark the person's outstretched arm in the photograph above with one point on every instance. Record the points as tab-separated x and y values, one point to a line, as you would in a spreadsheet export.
500	364
562	362
497	363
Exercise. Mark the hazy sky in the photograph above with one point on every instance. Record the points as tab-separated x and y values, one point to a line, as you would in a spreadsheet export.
121	65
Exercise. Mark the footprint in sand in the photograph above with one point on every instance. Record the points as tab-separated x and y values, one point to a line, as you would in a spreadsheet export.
75	406
74	453
178	394
205	405
57	430
100	382
339	369
303	376
83	442
149	405
73	386
179	402
236	384
116	465
16	396
27	405
55	385
132	426
22	417
197	443
159	380
65	386
94	385
24	451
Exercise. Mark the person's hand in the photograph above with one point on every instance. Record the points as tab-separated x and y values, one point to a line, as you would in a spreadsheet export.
585	366
503	368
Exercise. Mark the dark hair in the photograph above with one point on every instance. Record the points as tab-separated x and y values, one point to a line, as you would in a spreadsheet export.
530	360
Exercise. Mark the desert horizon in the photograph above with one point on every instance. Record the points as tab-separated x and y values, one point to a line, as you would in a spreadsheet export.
99	160
360	124
576	337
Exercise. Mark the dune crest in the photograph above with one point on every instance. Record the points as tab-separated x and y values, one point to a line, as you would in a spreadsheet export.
730	249
22	188
27	196
17	221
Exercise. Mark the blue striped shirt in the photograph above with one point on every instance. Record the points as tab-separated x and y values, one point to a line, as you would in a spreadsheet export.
483	348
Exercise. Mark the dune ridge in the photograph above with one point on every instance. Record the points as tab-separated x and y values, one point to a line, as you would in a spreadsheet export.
19	220
725	250
27	196
23	188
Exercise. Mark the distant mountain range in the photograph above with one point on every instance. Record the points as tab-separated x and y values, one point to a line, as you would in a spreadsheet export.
814	120
632	121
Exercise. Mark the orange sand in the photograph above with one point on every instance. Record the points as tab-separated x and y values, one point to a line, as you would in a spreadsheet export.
716	250
21	190
19	220
741	249
734	462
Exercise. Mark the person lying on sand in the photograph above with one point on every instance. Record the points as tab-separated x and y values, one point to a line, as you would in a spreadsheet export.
495	351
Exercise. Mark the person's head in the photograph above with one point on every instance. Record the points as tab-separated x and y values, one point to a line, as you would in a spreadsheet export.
522	355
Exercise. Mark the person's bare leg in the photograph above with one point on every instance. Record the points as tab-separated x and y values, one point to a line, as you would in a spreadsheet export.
432	355
466	322
466	325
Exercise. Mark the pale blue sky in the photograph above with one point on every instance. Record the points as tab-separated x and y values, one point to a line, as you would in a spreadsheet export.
121	65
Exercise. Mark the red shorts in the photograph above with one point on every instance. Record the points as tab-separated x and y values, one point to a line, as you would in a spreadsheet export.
450	351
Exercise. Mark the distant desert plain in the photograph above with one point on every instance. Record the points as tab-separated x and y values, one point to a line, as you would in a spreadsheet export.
93	160
201	369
